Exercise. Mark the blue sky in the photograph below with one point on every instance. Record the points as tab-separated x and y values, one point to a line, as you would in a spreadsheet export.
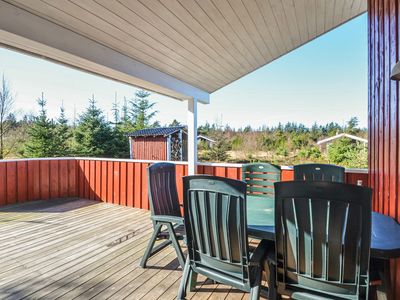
322	81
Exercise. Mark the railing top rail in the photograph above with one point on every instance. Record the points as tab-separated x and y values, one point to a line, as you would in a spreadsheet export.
206	164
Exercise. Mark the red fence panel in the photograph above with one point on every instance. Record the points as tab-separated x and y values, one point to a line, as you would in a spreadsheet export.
37	179
22	182
11	181
287	175
3	184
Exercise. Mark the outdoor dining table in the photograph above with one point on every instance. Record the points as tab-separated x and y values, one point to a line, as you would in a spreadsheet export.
385	231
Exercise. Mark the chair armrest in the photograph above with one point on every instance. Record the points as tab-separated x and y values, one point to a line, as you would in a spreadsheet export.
168	219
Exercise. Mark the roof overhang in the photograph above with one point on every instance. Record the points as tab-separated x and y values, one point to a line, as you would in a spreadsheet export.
26	32
184	49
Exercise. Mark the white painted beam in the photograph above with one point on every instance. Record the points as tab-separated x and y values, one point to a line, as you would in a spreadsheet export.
192	136
169	148
24	31
131	147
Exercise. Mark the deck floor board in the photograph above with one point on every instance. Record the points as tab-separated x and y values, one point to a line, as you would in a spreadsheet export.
83	249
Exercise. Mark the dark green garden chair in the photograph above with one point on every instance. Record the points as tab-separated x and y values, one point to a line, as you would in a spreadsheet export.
165	211
319	172
323	235
260	178
216	227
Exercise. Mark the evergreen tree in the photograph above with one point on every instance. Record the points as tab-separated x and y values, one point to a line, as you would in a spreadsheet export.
348	153
11	121
142	110
6	104
115	112
63	135
42	140
120	144
352	125
175	123
125	125
93	135
219	151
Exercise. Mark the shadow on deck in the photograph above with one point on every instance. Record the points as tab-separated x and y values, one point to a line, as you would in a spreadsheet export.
85	249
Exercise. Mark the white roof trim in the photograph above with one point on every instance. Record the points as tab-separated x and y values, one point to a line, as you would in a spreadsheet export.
338	136
205	138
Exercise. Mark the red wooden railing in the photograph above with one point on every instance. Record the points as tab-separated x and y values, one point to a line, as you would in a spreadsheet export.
34	179
116	181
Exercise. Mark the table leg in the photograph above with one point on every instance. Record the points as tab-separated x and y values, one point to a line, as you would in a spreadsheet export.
386	281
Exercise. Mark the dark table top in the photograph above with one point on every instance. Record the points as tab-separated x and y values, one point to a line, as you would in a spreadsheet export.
385	231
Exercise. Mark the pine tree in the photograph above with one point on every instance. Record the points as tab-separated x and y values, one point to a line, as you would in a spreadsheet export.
142	110
219	151
115	112
93	135
6	104
42	140
175	123
125	125
120	144
63	135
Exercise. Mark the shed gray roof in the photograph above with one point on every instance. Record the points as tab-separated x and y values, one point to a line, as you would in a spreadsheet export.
160	131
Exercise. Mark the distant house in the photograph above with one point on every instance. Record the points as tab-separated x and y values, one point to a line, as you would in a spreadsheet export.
164	143
324	144
202	138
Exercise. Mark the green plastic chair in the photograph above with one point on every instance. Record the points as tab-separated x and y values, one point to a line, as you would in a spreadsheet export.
165	211
216	227
260	178
323	236
319	172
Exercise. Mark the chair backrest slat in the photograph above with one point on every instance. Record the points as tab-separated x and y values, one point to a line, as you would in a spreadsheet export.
323	232
260	178
216	225
319	172
162	190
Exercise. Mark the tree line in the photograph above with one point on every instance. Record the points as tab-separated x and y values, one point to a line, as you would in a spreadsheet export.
90	135
286	144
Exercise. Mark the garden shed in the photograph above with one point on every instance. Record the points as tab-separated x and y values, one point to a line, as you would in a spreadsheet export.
163	143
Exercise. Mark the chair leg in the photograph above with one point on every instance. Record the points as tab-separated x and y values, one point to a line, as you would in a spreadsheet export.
176	245
150	246
256	289
192	281
386	280
272	292
187	270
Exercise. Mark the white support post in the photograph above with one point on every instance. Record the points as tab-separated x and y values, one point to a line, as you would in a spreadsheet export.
192	136
169	148
130	147
182	145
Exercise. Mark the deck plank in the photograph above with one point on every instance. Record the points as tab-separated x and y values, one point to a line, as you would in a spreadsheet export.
52	244
84	249
70	256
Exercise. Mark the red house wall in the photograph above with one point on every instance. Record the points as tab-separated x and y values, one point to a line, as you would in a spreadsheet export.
149	148
384	148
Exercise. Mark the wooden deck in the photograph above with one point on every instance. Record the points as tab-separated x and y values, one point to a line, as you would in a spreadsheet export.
83	249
